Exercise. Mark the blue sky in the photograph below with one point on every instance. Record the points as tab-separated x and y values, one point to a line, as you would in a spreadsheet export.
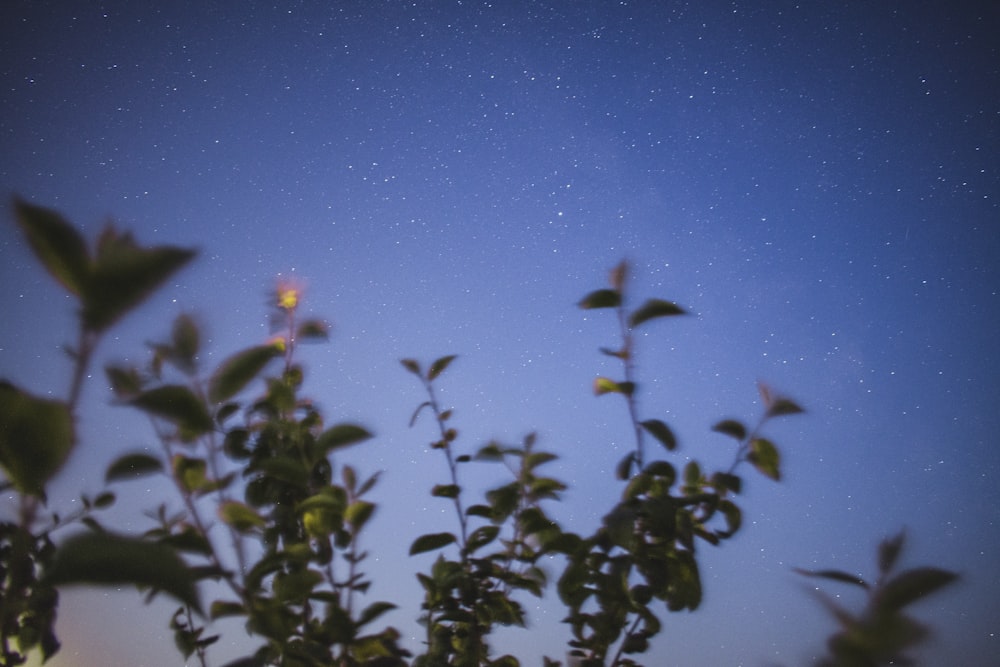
818	184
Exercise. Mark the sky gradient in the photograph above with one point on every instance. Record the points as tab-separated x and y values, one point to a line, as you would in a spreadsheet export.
817	183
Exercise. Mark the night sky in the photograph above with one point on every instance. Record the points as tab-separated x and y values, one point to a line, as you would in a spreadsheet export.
817	183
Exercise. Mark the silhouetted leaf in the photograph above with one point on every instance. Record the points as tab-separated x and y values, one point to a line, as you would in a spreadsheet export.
624	468
56	243
661	432
910	586
888	552
416	413
618	354
178	404
734	517
313	330
104	558
732	428
373	611
654	308
238	370
125	381
342	435
445	490
36	437
784	406
413	366
764	456
430	542
439	366
834	575
186	340
131	466
602	298
123	275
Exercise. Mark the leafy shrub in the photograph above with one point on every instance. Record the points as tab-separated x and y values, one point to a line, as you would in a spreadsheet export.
273	519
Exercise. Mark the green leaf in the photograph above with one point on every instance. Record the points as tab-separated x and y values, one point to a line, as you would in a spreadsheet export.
238	370
131	466
439	366
56	244
124	275
223	608
481	536
913	585
125	381
430	542
661	432
654	308
240	516
602	298
775	405
178	404
190	473
105	558
734	517
373	611
358	513
603	385
732	428
342	435
764	456
36	437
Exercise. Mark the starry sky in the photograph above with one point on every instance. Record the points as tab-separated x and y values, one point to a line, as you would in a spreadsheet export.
817	183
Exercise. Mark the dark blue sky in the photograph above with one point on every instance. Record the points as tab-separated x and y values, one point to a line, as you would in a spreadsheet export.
817	182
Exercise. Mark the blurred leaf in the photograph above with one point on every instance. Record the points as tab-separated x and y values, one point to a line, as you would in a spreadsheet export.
888	552
603	385
602	298
131	466
618	354
834	575
624	468
56	244
912	585
104	558
36	437
240	516
445	490
190	473
316	330
416	413
413	366
125	381
186	341
764	456
661	432
618	275
178	404
732	428
124	274
734	517
439	366
238	370
481	536
430	542
342	435
784	406
373	611
358	513
654	308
